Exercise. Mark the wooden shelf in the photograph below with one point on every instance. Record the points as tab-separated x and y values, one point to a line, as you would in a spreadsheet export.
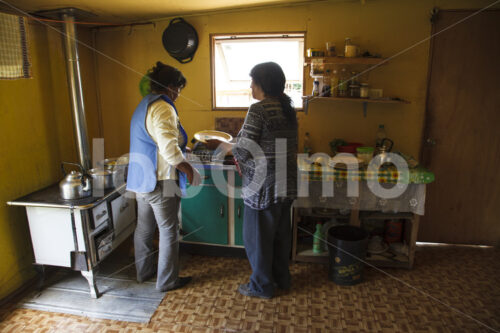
364	101
387	100
345	61
302	250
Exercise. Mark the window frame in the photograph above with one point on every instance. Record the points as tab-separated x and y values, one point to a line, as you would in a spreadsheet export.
253	36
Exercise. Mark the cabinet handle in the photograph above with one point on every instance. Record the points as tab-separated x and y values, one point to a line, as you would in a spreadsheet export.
221	211
122	208
99	216
239	211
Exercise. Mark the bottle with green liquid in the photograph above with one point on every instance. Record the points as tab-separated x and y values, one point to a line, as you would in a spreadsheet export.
318	239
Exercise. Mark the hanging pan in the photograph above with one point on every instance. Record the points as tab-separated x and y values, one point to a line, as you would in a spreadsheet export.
180	40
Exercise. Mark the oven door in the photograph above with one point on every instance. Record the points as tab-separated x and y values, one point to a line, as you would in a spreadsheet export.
102	241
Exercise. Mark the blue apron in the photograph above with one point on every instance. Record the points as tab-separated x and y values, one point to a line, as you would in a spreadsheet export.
180	175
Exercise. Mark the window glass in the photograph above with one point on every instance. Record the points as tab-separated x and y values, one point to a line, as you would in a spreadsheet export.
14	62
235	56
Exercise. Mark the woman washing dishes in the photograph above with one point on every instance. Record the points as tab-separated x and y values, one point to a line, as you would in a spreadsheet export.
266	149
157	169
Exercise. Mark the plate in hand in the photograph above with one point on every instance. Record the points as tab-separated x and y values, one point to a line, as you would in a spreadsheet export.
204	136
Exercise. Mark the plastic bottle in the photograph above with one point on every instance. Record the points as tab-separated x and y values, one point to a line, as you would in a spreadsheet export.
380	136
315	91
318	239
307	144
334	82
342	85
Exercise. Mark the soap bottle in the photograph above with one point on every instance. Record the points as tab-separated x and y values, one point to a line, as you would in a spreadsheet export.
318	239
307	144
342	85
315	91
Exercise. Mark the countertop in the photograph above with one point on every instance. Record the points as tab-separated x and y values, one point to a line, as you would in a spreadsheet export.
214	166
50	197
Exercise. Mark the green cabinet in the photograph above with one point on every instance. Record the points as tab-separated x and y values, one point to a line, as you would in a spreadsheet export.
204	217
211	217
238	221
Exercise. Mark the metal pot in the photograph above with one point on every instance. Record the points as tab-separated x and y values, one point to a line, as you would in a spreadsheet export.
118	168
74	185
180	40
101	178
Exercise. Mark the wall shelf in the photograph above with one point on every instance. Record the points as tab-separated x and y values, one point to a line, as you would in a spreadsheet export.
344	60
365	101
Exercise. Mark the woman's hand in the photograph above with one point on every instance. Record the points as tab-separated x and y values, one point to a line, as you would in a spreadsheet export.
192	174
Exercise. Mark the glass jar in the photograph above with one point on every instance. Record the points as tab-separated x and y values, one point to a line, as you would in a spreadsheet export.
354	91
330	49
363	90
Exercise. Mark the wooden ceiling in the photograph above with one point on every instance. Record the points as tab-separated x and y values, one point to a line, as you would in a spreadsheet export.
130	11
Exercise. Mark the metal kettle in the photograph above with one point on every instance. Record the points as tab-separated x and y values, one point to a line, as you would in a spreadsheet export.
385	147
75	185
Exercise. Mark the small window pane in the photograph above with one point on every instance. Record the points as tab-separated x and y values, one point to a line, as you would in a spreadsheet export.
235	56
14	63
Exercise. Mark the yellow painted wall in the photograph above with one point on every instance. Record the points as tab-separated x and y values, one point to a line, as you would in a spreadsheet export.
386	27
35	119
37	134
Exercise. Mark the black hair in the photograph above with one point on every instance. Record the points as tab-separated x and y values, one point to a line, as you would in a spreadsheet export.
270	78
162	76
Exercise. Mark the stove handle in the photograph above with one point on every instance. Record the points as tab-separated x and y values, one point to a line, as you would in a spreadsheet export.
122	208
99	216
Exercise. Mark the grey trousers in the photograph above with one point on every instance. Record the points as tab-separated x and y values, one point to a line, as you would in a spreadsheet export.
161	208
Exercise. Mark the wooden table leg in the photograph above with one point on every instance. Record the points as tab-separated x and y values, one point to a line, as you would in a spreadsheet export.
413	239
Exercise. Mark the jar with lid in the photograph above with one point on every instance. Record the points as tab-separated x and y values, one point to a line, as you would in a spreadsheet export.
330	49
363	90
354	91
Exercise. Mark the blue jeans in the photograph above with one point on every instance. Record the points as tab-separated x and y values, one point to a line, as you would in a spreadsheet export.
158	208
267	236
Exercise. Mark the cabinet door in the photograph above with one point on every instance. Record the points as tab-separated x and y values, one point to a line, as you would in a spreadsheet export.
238	221
204	217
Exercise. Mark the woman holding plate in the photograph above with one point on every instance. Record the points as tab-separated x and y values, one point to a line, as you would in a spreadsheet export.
265	150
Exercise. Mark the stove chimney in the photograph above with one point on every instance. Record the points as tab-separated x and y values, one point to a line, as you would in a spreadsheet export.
75	90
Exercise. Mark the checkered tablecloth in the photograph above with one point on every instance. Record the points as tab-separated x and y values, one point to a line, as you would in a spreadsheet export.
313	172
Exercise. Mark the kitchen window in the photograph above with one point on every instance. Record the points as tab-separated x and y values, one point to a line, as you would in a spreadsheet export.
14	61
233	56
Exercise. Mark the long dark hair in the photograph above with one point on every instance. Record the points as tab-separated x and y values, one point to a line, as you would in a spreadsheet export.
270	78
162	76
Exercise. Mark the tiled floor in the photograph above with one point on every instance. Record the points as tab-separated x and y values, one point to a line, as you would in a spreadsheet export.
451	289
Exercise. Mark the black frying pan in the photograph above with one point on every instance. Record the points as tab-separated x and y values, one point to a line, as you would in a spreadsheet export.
180	40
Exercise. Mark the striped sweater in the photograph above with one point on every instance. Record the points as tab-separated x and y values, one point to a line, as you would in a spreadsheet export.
266	150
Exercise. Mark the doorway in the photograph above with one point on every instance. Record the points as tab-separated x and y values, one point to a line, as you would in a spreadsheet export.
462	134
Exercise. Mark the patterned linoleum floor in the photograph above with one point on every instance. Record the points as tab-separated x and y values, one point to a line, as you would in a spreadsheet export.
451	289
